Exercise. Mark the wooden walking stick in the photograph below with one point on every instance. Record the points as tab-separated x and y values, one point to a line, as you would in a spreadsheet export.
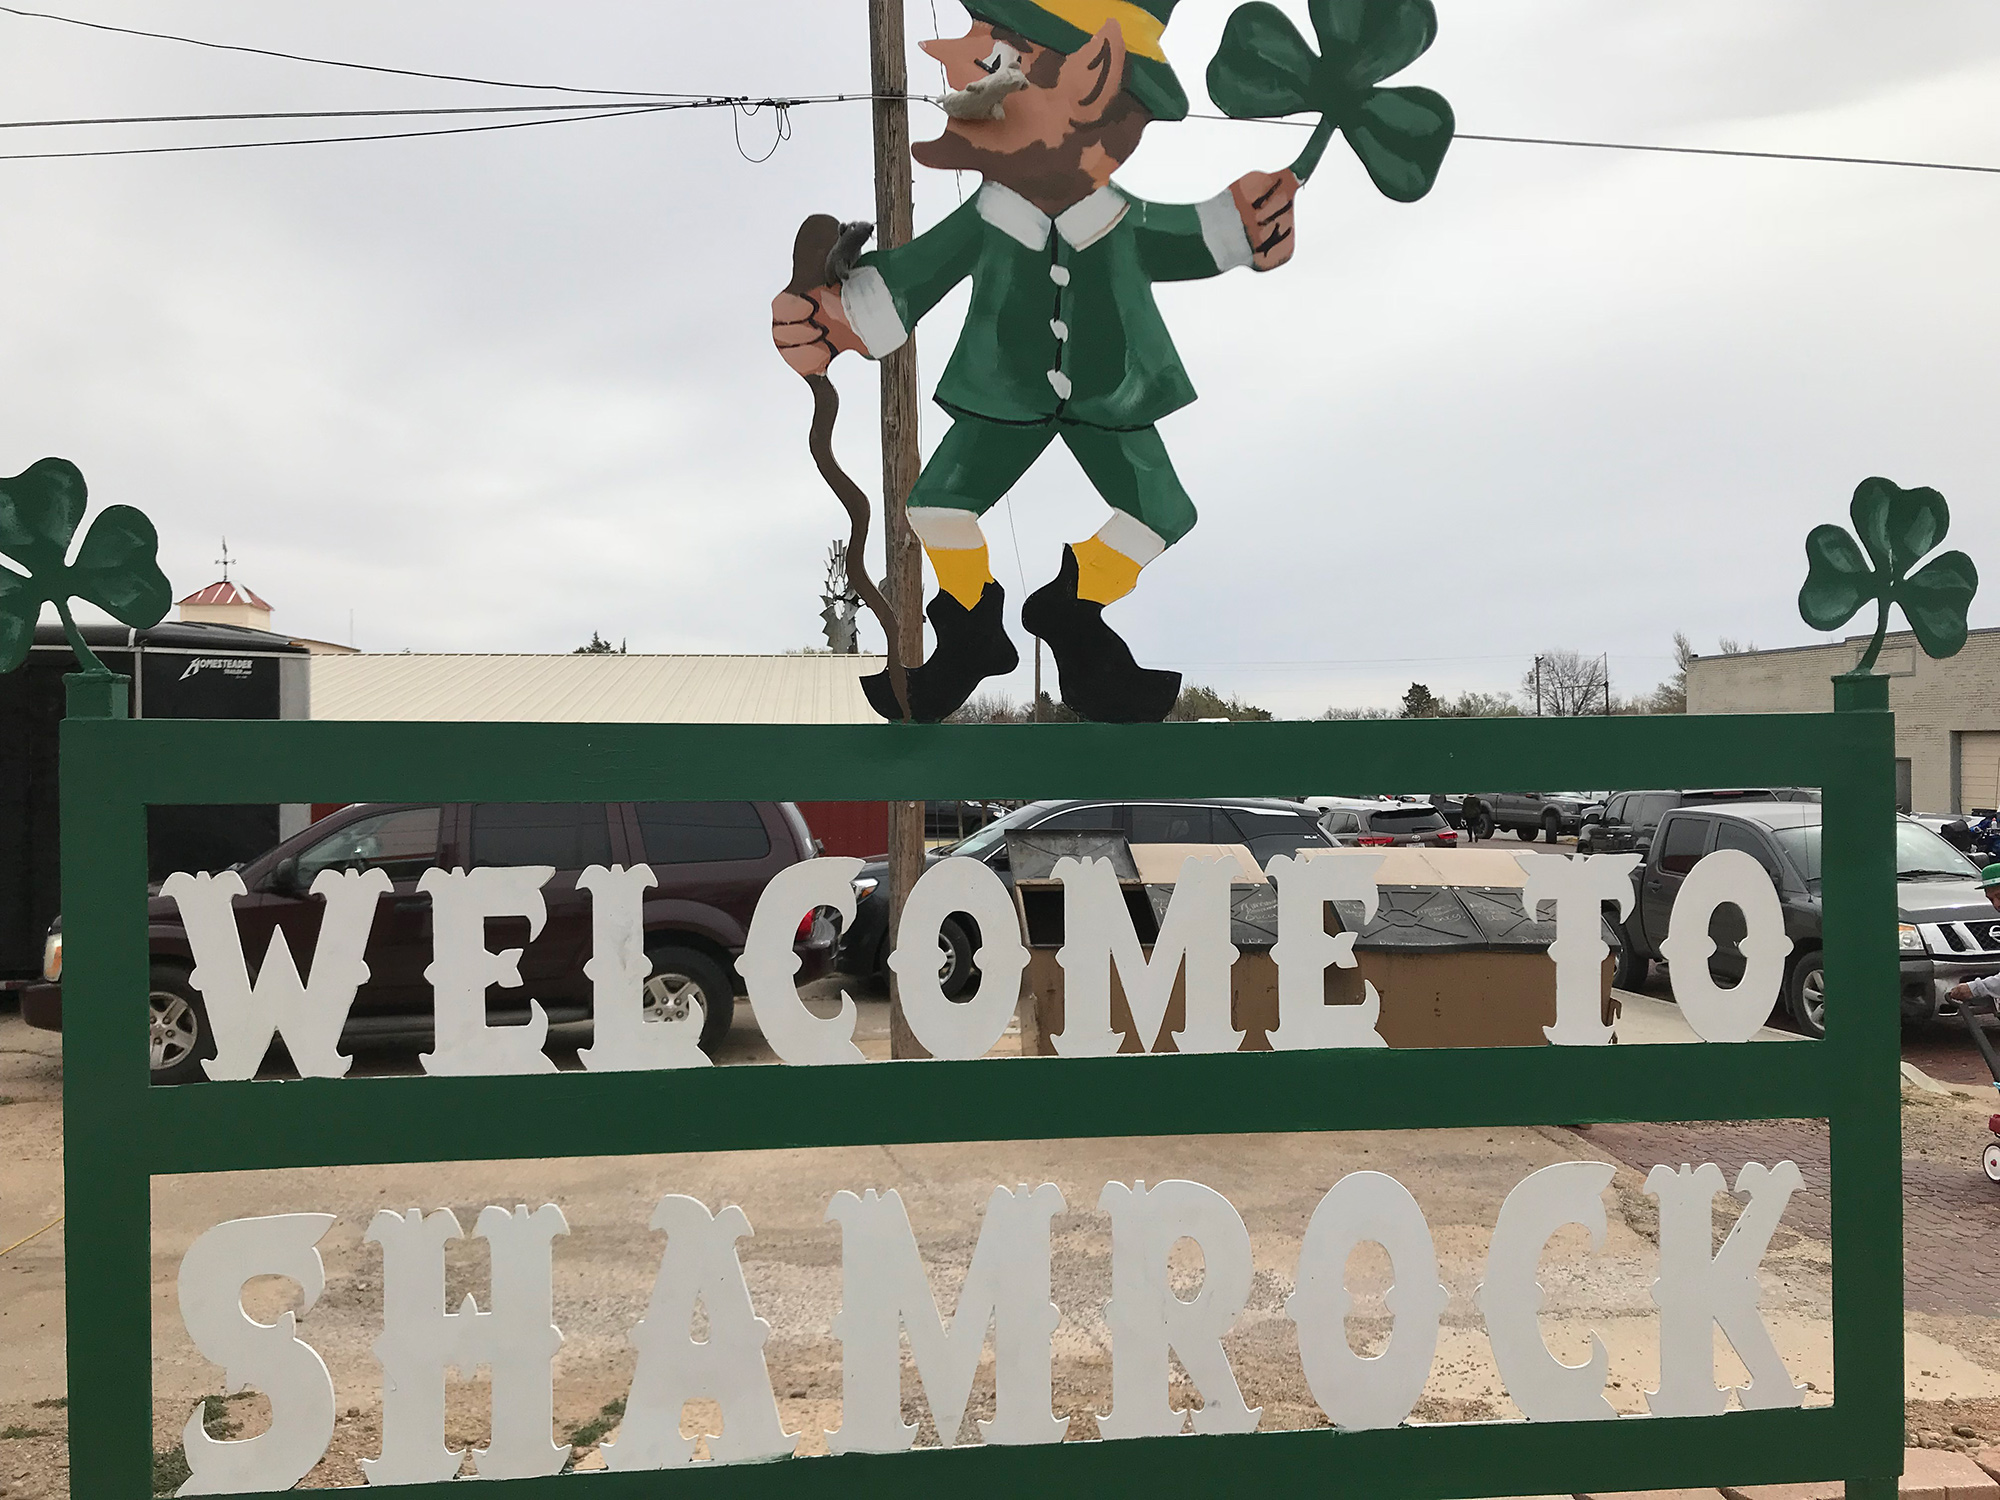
822	255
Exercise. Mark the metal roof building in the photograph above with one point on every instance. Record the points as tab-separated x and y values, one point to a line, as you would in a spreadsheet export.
601	689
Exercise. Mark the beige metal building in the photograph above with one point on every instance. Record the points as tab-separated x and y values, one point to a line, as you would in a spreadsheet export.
606	689
1947	712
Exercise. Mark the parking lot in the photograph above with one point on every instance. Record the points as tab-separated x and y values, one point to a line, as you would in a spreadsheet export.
605	1264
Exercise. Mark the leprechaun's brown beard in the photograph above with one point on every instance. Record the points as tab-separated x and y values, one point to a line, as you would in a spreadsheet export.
1050	177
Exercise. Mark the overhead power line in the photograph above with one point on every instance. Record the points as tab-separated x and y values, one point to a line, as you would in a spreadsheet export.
328	62
635	108
1543	140
550	114
658	100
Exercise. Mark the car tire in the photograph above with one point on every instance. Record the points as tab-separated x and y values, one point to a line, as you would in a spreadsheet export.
178	1032
681	975
1482	826
954	959
1805	995
1632	968
1552	828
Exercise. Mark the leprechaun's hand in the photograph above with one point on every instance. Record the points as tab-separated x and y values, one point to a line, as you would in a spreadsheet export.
809	330
1264	199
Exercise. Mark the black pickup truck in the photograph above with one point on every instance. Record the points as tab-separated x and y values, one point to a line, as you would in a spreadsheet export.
1948	931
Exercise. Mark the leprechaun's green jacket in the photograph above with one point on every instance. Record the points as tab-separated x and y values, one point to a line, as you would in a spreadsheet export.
1062	321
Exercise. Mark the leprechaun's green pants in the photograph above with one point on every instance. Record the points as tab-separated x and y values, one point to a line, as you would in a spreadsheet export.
981	460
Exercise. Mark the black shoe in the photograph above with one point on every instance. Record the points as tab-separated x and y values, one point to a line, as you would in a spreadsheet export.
1100	680
972	646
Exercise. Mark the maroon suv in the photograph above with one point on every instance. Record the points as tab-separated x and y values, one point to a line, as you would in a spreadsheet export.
712	861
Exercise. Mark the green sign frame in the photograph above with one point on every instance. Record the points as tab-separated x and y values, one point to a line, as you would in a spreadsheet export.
122	1132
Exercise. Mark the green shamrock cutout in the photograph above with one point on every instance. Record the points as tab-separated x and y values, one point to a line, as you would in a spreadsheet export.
117	567
1897	527
1265	69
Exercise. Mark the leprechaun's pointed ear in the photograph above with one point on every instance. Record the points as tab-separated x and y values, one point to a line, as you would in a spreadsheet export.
1093	75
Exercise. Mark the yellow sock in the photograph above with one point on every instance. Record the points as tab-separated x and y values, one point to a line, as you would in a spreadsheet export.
1104	574
962	572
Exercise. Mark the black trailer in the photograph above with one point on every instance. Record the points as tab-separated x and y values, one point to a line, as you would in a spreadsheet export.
178	671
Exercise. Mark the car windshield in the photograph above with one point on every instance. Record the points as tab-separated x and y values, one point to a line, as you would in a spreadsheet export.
975	844
1920	854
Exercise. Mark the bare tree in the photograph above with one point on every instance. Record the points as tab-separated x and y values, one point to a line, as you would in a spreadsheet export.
1565	684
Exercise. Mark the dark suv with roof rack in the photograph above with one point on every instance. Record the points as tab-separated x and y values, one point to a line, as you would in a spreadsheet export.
711	860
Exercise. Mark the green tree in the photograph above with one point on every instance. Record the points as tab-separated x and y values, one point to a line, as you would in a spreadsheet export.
1421	703
599	646
1205	703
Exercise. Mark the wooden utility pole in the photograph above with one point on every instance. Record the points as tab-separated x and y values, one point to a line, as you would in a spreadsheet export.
901	456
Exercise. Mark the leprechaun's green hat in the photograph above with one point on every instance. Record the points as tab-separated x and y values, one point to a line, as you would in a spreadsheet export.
1989	877
1067	24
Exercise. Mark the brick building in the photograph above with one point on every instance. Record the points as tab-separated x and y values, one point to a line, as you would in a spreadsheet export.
1947	712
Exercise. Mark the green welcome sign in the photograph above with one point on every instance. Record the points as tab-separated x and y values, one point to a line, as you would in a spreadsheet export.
124	1134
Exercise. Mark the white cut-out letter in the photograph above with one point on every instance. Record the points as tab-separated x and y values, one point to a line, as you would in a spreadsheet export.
1546	1389
518	1341
1147	1319
1363	1208
462	967
884	1289
420	1342
967	1030
1579	890
1098	932
1695	1291
1728	877
622	1039
244	1017
1305	949
768	963
728	1368
268	1356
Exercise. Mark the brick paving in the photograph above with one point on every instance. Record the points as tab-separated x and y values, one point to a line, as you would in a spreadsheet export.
1951	1213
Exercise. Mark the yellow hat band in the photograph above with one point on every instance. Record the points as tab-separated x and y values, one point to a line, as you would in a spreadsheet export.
1142	29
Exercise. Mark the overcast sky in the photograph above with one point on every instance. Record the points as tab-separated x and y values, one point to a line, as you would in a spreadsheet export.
494	392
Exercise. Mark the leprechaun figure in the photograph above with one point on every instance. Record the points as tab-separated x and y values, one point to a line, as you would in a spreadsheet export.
1062	339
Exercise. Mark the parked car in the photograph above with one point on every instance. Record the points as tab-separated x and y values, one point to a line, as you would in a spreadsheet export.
1626	820
1948	933
954	820
1382	823
1265	825
712	861
1528	815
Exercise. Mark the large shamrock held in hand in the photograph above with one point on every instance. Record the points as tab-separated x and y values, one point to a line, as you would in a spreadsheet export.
117	567
1265	69
1897	527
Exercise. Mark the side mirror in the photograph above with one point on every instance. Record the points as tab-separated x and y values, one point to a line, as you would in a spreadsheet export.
1643	844
284	878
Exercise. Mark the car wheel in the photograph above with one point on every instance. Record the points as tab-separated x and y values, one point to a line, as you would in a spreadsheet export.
1807	995
1552	828
954	959
683	977
1631	967
1482	825
1991	1161
178	1035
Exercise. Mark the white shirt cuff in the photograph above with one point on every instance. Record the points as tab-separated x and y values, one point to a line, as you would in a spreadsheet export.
871	313
1223	232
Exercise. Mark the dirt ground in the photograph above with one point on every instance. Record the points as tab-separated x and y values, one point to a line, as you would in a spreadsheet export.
604	1269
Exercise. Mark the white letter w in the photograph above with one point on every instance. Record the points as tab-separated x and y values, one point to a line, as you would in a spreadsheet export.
310	1017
